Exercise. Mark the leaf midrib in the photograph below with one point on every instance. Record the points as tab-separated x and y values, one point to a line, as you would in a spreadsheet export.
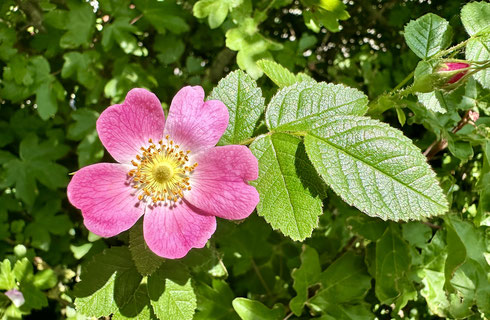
273	147
374	168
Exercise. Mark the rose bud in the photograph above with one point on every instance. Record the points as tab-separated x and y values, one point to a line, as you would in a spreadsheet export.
452	67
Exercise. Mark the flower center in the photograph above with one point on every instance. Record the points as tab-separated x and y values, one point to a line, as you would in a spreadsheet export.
162	172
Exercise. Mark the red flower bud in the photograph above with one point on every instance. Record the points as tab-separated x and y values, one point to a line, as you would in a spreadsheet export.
453	66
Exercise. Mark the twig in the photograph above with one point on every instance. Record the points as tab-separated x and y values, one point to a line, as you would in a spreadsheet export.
433	226
136	19
259	275
442	144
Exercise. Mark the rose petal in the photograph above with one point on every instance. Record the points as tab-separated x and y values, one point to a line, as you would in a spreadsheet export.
107	202
125	128
219	183
172	232
16	297
193	123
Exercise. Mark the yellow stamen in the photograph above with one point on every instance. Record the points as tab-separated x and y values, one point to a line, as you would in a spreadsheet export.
162	172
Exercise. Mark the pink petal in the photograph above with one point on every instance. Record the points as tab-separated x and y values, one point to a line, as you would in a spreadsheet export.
125	128
219	183
106	200
172	232
193	123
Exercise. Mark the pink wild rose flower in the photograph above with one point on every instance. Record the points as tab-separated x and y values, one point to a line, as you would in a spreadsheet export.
169	171
453	66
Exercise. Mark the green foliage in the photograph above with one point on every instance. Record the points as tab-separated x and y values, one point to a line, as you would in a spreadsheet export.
478	50
428	35
171	292
245	105
366	163
249	310
474	16
35	164
215	10
145	260
289	187
304	277
300	106
281	76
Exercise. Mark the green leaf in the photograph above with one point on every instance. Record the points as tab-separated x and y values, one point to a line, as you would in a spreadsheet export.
428	35
80	25
478	49
170	46
138	306
305	276
121	32
345	281
215	10
254	310
392	267
245	243
109	282
299	106
7	40
46	222
416	233
34	298
145	260
23	270
84	123
367	227
251	46
164	15
434	293
80	66
466	269
47	105
281	76
245	104
45	279
375	168
326	13
360	311
7	278
474	16
171	292
215	302
290	191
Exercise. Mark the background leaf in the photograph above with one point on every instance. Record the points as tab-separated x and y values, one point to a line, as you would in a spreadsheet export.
478	49
428	35
250	309
474	16
145	260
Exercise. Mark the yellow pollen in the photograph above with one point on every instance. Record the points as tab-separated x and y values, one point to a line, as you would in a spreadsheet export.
162	172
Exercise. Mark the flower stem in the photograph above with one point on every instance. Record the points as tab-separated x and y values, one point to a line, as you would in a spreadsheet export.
259	275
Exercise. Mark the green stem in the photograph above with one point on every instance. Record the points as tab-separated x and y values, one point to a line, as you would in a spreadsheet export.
402	83
453	48
247	141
